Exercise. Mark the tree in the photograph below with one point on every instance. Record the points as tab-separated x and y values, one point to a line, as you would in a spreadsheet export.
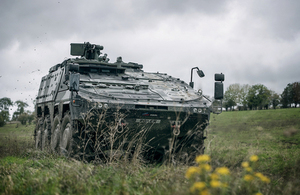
2	123
258	97
244	89
26	117
5	103
291	95
229	103
4	117
286	96
275	99
20	110
236	94
29	116
231	96
23	118
296	93
21	105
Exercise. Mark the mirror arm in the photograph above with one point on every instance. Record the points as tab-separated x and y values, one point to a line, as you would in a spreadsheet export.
192	73
191	82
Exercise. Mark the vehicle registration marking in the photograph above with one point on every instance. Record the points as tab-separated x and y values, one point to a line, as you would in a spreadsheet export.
147	121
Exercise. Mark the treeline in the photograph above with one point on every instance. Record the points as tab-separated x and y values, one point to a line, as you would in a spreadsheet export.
19	115
257	97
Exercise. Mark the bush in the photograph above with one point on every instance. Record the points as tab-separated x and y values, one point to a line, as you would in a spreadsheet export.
4	117
23	118
26	117
2	122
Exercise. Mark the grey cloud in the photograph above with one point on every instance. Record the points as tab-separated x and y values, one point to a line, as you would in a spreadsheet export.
42	21
170	36
180	7
281	17
33	21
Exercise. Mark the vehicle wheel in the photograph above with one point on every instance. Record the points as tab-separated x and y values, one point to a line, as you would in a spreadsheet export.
38	134
189	149
196	148
46	132
56	134
74	140
66	139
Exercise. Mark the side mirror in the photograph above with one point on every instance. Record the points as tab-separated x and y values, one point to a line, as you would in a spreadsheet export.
74	82
71	68
200	73
218	90
219	77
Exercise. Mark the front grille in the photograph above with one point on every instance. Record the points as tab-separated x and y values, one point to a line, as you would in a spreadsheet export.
151	107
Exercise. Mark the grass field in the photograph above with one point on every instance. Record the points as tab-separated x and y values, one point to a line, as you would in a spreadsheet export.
272	135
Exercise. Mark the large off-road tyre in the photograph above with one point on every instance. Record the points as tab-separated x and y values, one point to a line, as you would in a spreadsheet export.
56	134
73	142
38	134
46	133
187	149
66	135
195	148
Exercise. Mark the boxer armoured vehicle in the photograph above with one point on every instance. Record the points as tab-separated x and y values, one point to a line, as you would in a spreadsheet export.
89	108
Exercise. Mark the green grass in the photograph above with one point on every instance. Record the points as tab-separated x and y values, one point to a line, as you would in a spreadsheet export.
16	139
51	175
273	135
233	137
17	128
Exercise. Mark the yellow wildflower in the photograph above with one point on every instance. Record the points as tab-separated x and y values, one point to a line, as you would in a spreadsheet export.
254	158
191	171
205	192
262	177
259	175
265	179
245	164
249	169
223	170
202	158
248	177
214	176
215	183
258	193
197	186
206	167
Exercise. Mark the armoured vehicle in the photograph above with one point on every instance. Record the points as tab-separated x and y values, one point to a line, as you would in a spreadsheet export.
90	108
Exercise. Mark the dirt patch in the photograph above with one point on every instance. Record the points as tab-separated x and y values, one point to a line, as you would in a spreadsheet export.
259	128
290	132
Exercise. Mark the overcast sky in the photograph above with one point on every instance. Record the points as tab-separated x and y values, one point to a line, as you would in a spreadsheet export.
250	41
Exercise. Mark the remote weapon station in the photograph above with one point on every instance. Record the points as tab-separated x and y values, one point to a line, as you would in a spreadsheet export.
89	108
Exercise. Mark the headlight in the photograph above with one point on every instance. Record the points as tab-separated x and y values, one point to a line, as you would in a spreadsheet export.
99	105
195	110
105	106
199	91
199	110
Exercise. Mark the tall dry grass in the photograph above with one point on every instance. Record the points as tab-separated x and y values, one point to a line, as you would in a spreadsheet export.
233	137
